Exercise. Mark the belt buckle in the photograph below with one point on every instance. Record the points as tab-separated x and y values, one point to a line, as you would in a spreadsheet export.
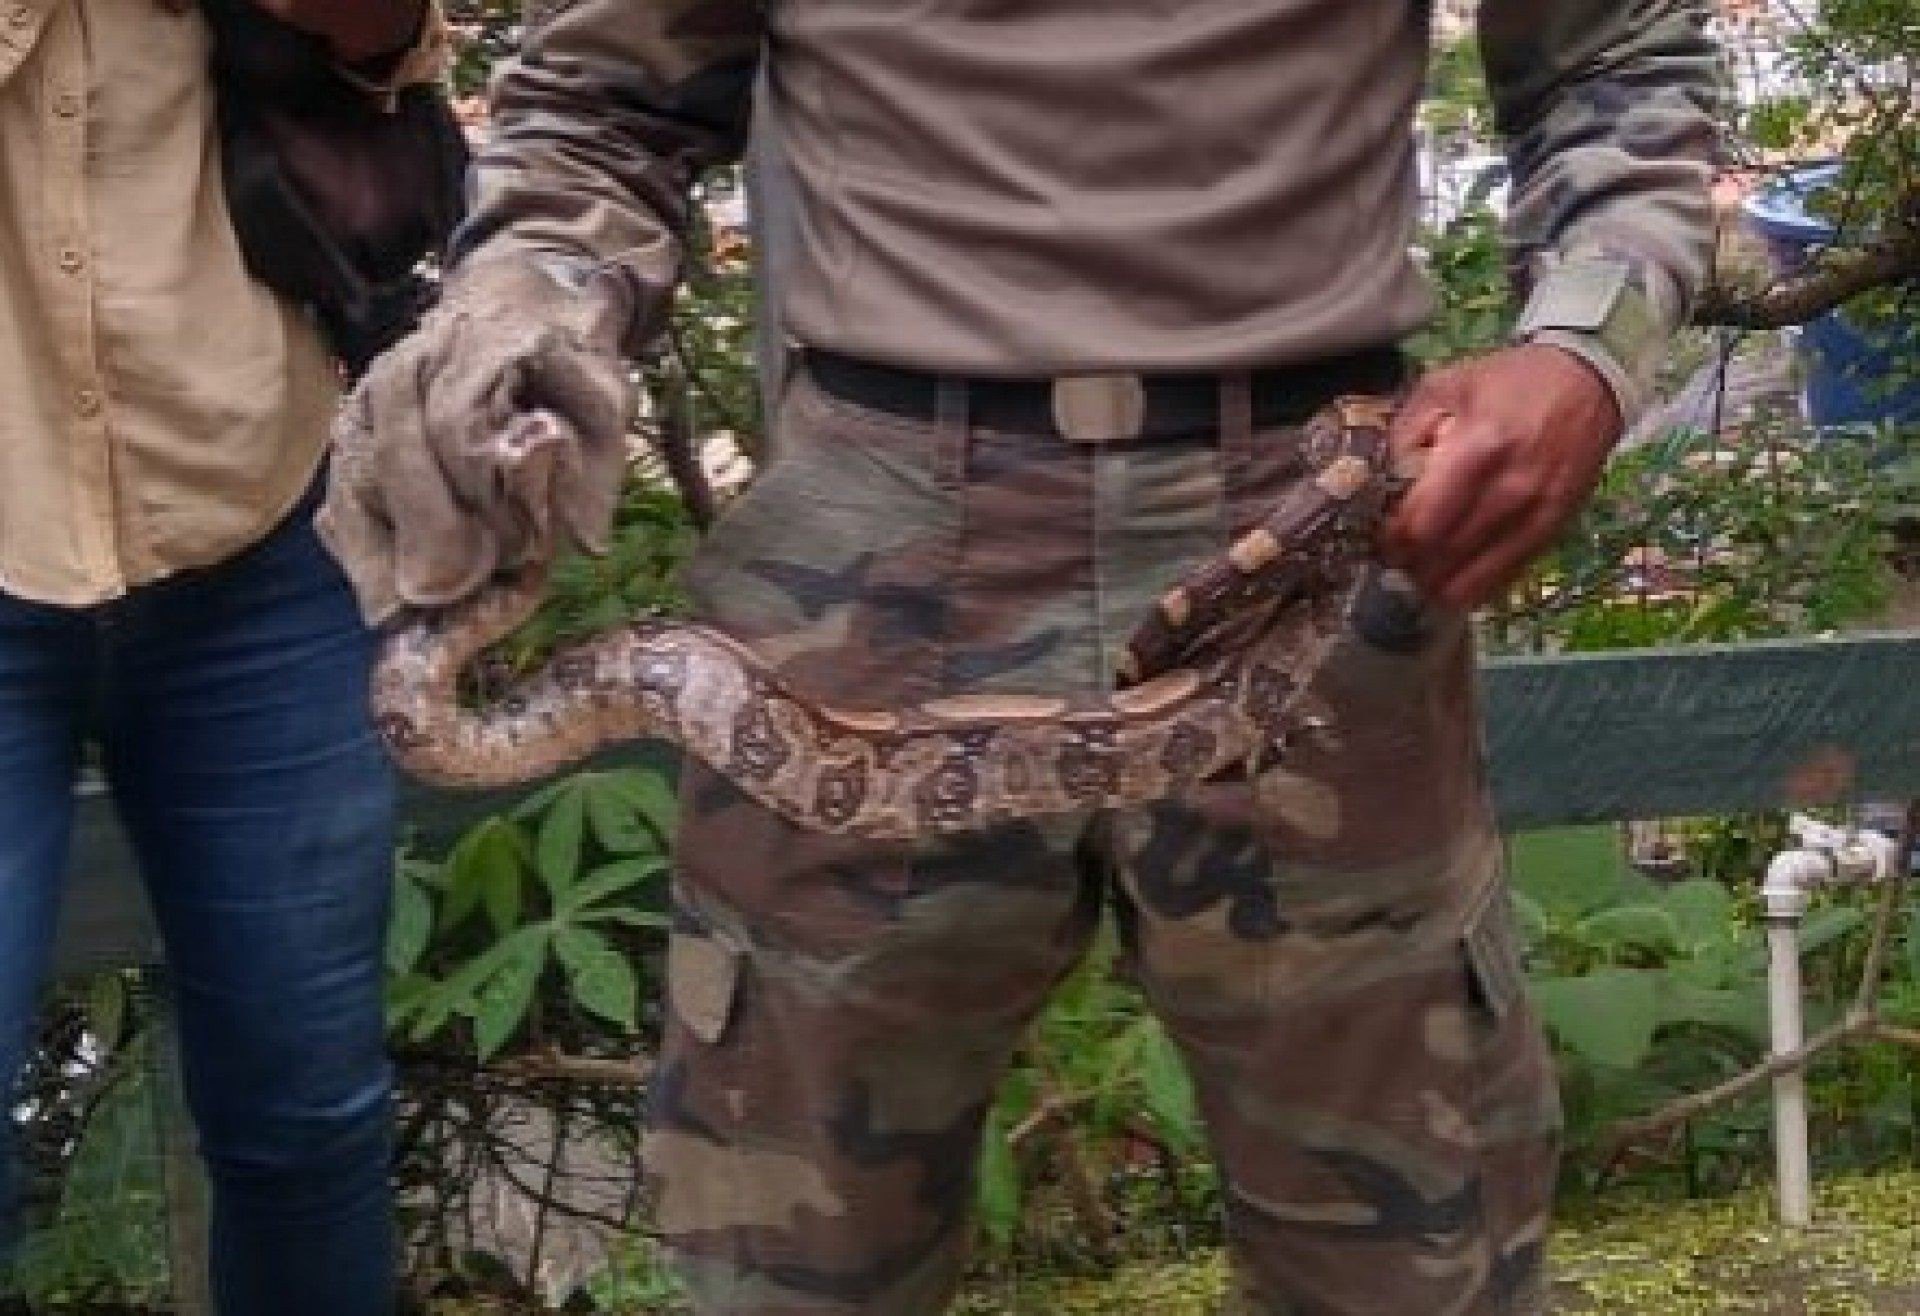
1099	408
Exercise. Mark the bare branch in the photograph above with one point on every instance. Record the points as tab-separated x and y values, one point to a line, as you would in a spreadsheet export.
1837	278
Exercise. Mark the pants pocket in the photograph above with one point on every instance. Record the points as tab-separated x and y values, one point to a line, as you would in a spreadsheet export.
703	982
1514	1107
1496	977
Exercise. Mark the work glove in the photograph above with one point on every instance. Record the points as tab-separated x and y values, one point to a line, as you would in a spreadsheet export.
475	445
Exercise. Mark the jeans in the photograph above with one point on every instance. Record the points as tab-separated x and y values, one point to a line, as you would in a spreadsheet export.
230	708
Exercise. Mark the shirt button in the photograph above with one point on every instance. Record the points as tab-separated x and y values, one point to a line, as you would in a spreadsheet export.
88	402
66	105
72	260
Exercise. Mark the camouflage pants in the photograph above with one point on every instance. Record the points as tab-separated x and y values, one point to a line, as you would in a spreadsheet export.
1328	944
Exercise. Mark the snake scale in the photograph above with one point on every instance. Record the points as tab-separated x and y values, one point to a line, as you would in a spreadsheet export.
1215	678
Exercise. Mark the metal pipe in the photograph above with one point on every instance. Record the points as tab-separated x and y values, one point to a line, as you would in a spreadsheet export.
1828	855
1790	877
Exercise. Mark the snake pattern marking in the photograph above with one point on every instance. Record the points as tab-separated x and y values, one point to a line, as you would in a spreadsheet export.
1216	678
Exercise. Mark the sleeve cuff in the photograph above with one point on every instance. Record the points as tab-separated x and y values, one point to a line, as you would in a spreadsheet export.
1596	309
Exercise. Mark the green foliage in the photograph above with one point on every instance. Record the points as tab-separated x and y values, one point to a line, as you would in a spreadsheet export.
488	31
566	890
710	376
636	1279
633	578
1857	102
1650	990
1756	536
1645	989
1456	104
106	1242
1098	1092
1476	311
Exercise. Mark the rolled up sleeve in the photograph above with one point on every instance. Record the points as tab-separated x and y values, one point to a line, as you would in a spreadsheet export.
600	128
1611	113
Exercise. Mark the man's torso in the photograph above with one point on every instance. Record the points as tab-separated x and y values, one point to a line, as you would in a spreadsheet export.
990	188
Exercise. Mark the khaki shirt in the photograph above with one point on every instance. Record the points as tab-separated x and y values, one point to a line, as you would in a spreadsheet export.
1058	187
161	410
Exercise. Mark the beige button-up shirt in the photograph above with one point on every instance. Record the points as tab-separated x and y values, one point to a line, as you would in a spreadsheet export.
159	410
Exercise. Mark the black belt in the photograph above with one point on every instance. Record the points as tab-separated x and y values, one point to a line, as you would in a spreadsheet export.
1104	408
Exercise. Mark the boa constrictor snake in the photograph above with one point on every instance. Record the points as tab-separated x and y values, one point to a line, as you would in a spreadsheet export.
1216	678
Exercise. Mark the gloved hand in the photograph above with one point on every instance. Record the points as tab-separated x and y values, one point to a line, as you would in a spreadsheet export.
500	422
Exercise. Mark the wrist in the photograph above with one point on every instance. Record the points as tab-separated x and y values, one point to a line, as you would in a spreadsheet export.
1610	382
1595	309
577	294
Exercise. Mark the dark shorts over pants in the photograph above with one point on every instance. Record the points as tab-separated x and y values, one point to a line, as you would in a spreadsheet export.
1329	944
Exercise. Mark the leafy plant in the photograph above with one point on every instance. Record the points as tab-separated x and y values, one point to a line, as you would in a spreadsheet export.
106	1240
1651	990
1098	1095
1689	541
556	889
1476	310
1854	97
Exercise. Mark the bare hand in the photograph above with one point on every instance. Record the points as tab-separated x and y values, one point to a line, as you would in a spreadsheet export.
1514	444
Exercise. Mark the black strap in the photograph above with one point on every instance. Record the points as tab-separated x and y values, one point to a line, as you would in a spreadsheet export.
289	124
1176	405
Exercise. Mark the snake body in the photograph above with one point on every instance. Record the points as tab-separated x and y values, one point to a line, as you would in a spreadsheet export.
1216	677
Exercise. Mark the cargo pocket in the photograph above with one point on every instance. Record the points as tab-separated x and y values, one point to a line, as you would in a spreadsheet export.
1515	1104
703	983
1496	978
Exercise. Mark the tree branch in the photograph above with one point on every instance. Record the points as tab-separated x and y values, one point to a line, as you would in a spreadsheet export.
1837	278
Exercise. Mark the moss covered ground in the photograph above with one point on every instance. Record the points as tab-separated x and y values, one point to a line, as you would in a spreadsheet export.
1621	1256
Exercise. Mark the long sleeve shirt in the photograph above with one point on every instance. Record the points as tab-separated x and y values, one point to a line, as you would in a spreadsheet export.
1062	187
159	410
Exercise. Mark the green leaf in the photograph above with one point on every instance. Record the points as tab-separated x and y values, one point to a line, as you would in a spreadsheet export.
557	854
1569	871
501	893
616	820
1825	926
1530	917
1607	1016
652	796
1000	1190
1743	1010
1647	927
602	980
487	859
1168	1089
508	994
1702	909
410	926
459	993
607	880
631	918
538	803
405	995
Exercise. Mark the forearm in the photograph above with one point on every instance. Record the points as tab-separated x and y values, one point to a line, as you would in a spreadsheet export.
1611	112
599	130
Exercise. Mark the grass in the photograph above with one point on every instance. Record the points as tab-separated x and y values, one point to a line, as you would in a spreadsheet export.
1622	1256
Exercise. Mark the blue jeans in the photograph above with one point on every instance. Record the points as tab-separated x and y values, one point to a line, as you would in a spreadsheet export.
230	708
